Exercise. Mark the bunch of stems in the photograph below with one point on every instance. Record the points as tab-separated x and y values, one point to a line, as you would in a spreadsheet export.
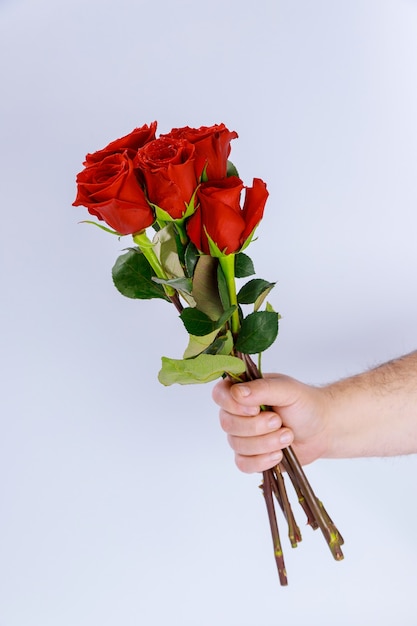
273	487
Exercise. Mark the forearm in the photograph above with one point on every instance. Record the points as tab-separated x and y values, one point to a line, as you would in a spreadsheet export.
374	413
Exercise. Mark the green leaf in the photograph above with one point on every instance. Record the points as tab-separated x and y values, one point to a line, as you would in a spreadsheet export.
203	369
133	277
205	290
179	284
253	289
209	344
165	248
269	307
222	345
191	257
243	265
261	299
258	332
198	323
222	288
197	345
226	316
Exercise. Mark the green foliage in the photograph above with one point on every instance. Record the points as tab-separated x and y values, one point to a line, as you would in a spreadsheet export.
213	343
260	300
243	265
198	323
191	257
180	284
222	288
133	277
258	332
198	344
205	290
165	247
203	369
222	345
253	289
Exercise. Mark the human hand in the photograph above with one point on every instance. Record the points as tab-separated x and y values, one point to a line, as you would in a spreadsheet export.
296	416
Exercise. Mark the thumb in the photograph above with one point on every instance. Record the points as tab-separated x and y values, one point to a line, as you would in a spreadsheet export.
273	390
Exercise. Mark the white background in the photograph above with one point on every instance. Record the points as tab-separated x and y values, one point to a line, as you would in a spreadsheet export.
120	501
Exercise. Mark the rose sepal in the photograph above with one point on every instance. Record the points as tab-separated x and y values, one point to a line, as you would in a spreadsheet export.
105	228
248	240
231	169
163	216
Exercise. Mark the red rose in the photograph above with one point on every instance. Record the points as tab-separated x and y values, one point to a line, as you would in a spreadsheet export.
111	191
131	142
212	147
167	166
220	216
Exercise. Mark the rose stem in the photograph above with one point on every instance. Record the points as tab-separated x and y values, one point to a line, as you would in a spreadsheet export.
330	532
277	481
251	368
227	263
273	485
279	557
299	479
176	302
330	522
311	520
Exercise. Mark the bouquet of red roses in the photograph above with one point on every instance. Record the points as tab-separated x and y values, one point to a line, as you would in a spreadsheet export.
183	186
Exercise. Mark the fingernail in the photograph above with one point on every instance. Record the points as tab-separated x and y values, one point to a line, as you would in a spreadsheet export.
274	422
276	456
244	391
250	410
285	438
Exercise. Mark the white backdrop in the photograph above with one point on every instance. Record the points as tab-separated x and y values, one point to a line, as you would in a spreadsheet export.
120	501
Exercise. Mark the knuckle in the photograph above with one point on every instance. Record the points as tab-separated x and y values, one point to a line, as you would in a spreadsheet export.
257	424
274	442
262	422
217	393
225	420
235	444
230	442
270	460
243	464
